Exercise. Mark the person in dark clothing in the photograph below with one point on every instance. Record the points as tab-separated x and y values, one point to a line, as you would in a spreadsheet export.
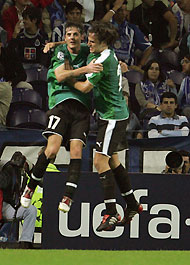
12	184
11	68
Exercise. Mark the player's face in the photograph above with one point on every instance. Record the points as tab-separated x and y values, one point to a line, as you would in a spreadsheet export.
154	72
74	15
73	38
168	106
94	44
185	65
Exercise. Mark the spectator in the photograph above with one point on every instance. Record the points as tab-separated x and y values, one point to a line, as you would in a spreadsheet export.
88	7
181	9
56	13
5	101
147	15
73	11
31	40
12	190
12	18
133	129
131	38
168	123
11	68
184	46
184	91
150	89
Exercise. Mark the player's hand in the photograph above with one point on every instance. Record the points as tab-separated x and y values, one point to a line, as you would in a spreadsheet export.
124	67
93	67
48	46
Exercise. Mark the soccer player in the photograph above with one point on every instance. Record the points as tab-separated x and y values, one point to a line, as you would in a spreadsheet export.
69	113
113	117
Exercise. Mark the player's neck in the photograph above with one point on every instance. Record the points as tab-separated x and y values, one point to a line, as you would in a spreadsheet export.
75	50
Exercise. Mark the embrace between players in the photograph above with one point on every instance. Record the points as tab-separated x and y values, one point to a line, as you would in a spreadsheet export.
69	118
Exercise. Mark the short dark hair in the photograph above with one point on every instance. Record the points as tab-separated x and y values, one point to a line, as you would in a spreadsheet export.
71	24
168	95
72	5
33	13
161	76
105	32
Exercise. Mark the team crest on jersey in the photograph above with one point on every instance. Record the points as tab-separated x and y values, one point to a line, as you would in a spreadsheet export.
60	55
37	43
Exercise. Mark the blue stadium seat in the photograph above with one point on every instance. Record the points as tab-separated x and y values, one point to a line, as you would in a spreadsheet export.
32	119
25	99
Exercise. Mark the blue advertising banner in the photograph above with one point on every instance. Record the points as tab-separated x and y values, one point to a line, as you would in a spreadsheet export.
164	223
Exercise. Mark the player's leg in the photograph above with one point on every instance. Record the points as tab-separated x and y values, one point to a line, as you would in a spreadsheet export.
79	126
105	145
73	175
53	146
124	183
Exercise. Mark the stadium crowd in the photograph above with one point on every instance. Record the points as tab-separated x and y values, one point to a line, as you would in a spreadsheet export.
153	49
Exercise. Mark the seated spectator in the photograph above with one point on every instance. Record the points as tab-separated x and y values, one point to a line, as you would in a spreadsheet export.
146	17
184	46
12	188
12	18
150	89
56	13
133	129
73	12
184	91
131	38
168	123
31	40
11	68
181	10
5	101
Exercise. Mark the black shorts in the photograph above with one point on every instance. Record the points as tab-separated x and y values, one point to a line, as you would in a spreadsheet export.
69	119
110	136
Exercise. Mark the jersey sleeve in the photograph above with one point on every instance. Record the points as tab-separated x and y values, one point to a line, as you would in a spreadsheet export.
58	58
94	78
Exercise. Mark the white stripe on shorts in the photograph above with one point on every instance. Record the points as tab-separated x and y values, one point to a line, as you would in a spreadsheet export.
108	134
71	184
